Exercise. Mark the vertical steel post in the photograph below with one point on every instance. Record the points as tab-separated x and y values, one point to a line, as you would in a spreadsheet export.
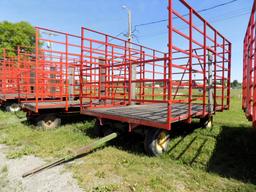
190	64
204	83
215	70
244	77
61	75
143	74
4	71
112	76
81	78
250	69
223	75
165	78
229	74
19	73
67	75
125	72
130	94
95	75
153	84
37	67
170	47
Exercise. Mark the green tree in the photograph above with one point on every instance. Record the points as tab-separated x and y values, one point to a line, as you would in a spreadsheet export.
235	84
16	34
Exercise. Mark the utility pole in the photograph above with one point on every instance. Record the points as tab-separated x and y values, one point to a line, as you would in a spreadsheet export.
129	36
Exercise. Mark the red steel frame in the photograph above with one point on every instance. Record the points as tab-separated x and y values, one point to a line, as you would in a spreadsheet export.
56	71
15	74
249	64
8	74
26	63
107	68
115	58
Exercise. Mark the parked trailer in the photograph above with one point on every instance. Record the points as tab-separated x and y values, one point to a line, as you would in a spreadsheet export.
55	79
249	76
11	69
132	87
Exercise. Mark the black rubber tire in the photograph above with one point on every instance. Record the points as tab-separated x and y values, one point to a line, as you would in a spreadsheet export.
97	131
107	129
103	130
48	121
153	142
12	107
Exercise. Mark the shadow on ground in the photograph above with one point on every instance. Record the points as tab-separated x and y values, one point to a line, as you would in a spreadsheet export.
134	143
65	120
234	155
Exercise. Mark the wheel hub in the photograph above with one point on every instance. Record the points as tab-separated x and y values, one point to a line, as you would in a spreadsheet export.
162	141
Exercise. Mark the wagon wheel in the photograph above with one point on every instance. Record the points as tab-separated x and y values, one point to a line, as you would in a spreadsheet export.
104	130
48	121
156	142
207	122
14	107
31	118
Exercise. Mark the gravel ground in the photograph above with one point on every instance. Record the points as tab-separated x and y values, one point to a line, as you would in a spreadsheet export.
56	179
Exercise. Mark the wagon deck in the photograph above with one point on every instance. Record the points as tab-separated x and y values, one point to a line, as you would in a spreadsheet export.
51	105
5	97
147	114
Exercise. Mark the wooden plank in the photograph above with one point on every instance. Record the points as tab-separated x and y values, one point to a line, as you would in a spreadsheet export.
153	112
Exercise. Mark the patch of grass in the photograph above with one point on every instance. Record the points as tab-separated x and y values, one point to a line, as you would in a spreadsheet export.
4	169
100	174
107	188
3	177
55	143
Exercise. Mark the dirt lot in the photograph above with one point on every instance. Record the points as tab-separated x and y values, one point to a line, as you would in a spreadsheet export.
52	180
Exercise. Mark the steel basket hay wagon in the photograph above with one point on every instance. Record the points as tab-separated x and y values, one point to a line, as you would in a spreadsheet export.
11	69
131	87
54	78
249	76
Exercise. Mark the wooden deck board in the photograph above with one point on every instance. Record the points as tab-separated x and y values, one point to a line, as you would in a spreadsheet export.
150	112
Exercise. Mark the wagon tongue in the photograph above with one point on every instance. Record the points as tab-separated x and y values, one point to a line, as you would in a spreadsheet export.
74	154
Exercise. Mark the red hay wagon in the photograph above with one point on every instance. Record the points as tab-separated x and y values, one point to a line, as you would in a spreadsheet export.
11	70
249	64
54	78
129	86
126	86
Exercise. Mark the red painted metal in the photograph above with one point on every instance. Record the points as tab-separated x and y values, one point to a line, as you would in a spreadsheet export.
26	67
249	64
56	69
16	67
180	76
8	74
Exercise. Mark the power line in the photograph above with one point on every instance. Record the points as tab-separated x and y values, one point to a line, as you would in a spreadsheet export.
164	20
199	11
111	39
212	21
